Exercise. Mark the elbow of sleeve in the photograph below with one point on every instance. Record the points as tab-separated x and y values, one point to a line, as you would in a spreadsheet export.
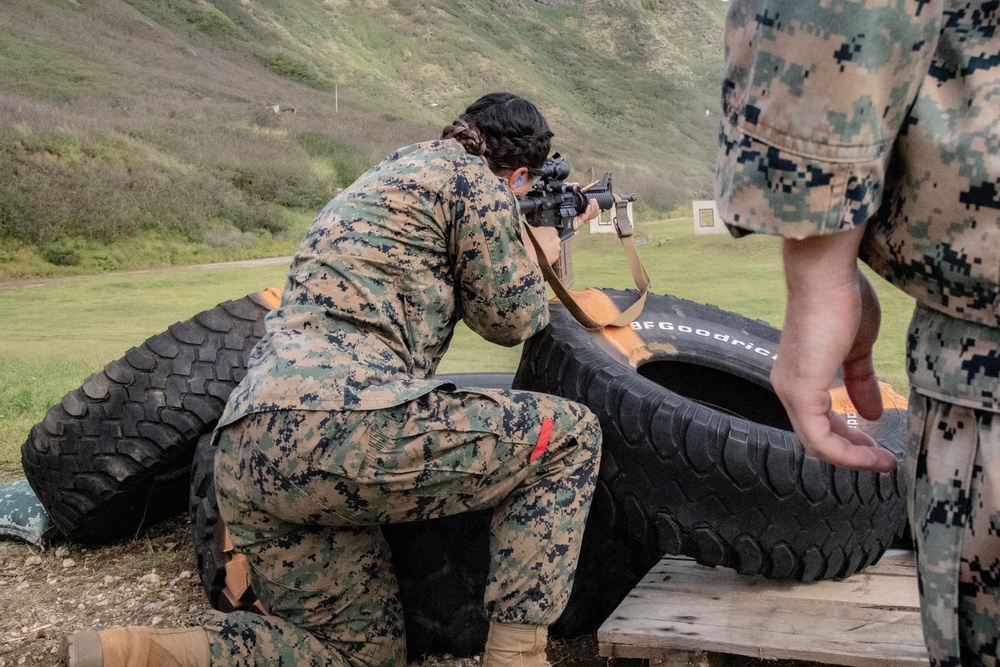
510	330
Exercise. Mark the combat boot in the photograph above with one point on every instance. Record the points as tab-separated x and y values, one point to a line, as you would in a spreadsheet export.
137	647
515	645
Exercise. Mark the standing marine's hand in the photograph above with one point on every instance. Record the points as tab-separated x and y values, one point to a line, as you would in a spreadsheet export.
831	321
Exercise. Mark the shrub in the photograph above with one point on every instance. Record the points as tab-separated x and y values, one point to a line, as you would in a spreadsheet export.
294	68
61	255
347	163
58	185
211	21
297	188
259	216
106	262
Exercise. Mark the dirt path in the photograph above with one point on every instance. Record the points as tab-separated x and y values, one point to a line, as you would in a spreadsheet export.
39	282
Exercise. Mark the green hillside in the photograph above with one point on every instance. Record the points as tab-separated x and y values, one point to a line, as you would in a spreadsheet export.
139	133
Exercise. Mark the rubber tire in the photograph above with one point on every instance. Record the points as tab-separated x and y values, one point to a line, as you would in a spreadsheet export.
441	565
224	573
684	469
664	490
114	456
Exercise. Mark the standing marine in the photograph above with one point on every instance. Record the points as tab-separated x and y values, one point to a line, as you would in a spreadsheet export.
871	130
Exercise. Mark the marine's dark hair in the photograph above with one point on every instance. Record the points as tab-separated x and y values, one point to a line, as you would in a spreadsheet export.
507	130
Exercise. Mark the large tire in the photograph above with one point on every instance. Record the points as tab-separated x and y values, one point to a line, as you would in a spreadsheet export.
114	456
698	459
224	573
441	565
698	455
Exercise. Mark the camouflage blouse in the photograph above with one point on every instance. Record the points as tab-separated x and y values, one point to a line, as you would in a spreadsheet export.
424	238
885	113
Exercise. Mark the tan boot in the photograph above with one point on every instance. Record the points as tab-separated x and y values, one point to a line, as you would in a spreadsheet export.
137	647
515	645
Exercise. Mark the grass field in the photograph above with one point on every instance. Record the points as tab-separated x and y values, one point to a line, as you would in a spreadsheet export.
137	134
56	333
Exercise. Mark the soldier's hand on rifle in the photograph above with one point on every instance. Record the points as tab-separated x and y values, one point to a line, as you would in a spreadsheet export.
548	237
593	210
548	240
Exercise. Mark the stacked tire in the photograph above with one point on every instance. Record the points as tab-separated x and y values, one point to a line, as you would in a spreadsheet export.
698	459
114	456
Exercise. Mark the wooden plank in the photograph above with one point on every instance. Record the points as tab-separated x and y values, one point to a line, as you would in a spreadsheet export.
885	584
870	619
780	629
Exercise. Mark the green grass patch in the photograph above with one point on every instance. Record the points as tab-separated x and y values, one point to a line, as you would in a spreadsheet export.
150	250
293	68
211	21
56	333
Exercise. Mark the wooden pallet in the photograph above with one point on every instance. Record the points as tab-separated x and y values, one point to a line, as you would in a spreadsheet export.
685	613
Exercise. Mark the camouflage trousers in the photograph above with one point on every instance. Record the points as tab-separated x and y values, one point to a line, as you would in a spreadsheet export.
303	494
954	480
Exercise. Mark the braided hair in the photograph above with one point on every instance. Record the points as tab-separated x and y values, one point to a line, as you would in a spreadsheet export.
506	130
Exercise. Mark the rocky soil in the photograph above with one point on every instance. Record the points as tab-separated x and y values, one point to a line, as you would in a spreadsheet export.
152	579
149	580
45	594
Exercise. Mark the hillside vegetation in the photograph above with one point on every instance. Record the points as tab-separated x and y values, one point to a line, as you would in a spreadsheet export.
137	133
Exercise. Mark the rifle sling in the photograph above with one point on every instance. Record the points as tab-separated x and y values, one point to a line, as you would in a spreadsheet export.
639	276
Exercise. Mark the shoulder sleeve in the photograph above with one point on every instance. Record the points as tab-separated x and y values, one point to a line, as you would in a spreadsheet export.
813	98
500	290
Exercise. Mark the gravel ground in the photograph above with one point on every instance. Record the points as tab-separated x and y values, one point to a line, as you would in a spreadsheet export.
150	580
153	580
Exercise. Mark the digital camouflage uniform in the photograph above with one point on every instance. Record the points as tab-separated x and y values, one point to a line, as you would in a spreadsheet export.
887	112
339	425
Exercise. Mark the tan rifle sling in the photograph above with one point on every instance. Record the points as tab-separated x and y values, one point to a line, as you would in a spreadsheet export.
625	231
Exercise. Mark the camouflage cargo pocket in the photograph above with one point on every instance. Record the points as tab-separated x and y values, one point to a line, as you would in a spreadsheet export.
410	447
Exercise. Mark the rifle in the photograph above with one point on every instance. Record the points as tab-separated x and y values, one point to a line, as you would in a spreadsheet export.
554	203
